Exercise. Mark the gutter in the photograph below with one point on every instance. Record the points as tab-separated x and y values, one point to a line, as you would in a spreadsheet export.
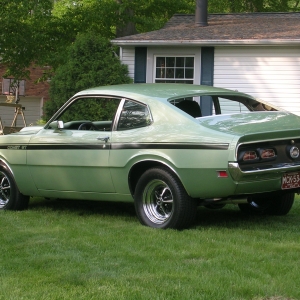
271	42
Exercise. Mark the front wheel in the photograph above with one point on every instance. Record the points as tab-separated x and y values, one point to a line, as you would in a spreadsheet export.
162	202
10	197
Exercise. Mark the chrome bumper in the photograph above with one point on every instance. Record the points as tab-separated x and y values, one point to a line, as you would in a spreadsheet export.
259	174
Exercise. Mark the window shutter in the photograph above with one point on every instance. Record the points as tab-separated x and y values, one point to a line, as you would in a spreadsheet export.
140	64
207	77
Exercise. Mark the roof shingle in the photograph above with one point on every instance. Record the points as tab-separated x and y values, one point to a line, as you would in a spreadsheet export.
222	28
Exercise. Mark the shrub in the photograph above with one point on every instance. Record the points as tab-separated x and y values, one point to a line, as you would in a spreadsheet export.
90	62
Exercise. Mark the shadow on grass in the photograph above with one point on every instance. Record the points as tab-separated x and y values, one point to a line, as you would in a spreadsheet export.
232	217
228	217
81	207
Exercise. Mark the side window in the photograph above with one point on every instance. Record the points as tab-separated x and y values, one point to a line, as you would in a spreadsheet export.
229	106
134	115
98	113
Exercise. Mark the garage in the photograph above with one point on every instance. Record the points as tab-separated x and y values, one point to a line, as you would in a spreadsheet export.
269	73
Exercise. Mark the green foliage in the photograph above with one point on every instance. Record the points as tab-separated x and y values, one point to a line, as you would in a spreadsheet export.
88	15
151	15
23	34
40	31
91	109
40	122
236	6
90	62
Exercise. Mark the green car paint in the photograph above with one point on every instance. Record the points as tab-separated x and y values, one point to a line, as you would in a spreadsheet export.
106	165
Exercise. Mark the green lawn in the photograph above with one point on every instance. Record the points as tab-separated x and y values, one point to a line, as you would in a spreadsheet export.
94	250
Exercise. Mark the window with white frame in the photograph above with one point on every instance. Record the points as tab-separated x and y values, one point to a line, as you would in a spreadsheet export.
174	69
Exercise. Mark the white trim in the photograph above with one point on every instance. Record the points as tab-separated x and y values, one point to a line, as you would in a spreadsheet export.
271	42
172	79
167	52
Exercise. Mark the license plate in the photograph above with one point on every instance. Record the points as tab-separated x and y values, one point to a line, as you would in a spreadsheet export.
290	181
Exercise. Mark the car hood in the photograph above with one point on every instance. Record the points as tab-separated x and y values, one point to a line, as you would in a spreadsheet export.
30	130
255	125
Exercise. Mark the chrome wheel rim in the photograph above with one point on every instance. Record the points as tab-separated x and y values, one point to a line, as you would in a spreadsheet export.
5	188
158	201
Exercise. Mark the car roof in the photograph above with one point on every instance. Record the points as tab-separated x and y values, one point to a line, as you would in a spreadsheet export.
161	91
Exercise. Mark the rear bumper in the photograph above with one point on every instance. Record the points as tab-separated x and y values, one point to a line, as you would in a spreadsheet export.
261	180
238	175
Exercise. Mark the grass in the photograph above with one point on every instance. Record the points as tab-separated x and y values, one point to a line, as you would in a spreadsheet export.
96	250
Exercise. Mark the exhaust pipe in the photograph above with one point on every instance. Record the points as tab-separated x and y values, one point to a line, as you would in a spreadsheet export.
222	201
201	13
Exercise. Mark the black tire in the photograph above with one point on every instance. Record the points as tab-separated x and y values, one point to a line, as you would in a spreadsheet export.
162	202
278	204
10	197
281	204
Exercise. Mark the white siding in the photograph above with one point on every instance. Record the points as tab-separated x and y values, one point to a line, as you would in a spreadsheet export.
32	111
269	73
127	58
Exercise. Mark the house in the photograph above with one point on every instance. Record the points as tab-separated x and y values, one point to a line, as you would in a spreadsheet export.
255	53
31	97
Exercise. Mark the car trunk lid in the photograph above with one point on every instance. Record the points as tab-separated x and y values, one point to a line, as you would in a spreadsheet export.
255	125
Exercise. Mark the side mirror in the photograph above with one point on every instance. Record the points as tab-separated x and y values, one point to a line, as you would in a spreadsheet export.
56	125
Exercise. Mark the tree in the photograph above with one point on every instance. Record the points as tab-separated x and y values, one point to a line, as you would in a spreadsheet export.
23	35
225	6
90	62
40	31
147	15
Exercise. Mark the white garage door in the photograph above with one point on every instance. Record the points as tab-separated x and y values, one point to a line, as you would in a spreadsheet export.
32	111
269	73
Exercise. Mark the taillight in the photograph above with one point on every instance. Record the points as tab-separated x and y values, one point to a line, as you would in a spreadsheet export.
267	153
257	155
249	156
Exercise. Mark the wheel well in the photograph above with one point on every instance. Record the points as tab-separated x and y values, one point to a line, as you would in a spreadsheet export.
5	165
139	169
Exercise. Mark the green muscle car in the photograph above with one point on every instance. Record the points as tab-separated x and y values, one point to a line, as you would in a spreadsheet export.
154	145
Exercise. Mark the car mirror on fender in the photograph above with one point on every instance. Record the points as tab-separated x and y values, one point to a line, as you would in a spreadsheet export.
56	125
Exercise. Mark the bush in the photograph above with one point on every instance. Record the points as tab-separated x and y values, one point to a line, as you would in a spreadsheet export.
90	62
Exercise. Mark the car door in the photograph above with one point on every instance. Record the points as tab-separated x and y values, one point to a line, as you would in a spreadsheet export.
72	152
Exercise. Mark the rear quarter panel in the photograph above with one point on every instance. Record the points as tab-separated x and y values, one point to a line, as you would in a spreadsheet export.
170	141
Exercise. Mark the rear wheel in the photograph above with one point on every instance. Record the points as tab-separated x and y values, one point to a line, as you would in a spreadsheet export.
162	202
10	197
281	205
274	204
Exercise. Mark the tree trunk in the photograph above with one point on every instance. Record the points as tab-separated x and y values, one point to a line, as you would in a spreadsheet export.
232	6
126	26
254	5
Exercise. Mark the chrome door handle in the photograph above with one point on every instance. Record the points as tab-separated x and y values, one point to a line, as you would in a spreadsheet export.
105	139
